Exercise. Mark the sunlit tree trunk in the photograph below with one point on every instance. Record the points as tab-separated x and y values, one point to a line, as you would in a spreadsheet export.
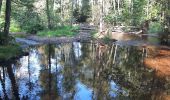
92	7
62	11
114	7
101	16
118	6
7	18
147	10
0	6
48	14
72	8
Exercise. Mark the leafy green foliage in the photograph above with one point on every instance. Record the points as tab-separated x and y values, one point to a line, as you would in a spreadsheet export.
82	14
76	14
60	31
138	12
25	17
155	27
14	27
29	23
110	19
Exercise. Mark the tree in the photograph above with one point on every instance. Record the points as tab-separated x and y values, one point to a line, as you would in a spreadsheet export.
85	11
7	18
48	14
0	6
4	34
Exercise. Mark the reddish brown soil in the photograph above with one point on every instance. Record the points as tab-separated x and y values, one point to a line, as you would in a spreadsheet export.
160	62
160	95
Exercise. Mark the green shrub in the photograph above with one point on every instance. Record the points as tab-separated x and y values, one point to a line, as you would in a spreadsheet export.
155	27
33	29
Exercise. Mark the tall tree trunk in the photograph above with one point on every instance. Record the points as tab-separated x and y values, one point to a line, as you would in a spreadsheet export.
101	16
7	18
147	10
114	6
92	8
72	5
118	7
0	6
48	14
61	8
168	18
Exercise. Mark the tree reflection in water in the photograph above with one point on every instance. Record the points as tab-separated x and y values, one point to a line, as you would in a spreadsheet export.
81	71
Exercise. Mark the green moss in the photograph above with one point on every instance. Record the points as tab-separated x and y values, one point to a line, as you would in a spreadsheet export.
9	51
60	31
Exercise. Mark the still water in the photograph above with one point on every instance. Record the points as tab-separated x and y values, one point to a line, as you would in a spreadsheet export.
81	71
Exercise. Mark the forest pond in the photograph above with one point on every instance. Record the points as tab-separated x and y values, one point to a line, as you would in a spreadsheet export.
82	71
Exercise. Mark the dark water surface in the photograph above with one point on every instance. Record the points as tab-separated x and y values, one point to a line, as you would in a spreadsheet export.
81	71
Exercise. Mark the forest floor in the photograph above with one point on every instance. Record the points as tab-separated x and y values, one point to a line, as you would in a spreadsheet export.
84	34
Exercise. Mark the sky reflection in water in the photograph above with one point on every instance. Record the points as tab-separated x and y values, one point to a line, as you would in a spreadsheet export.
79	71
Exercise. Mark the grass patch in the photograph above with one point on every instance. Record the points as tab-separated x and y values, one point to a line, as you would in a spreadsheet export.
60	31
20	35
9	51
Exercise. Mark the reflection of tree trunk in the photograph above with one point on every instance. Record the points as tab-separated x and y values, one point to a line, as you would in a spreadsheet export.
110	57
13	82
29	73
57	81
115	54
94	80
143	54
49	64
3	84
